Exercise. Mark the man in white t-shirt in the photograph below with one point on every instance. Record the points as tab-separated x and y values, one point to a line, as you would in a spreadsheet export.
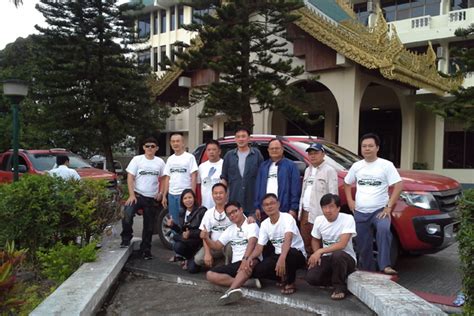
215	222
242	236
143	180
288	248
62	170
319	179
333	257
373	206
209	172
180	174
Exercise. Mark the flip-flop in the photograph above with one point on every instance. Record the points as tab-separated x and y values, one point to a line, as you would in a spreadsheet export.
337	295
288	290
390	271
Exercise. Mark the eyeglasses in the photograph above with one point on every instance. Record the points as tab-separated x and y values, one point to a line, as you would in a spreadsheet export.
150	146
232	212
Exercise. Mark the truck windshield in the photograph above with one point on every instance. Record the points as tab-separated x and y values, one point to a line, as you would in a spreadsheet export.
341	157
47	161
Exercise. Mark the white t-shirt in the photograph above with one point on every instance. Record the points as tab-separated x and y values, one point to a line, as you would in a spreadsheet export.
373	179
239	238
276	233
65	172
272	180
309	185
179	169
147	172
209	173
330	232
215	222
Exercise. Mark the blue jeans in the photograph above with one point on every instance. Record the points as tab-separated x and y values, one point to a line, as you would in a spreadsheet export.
173	207
365	225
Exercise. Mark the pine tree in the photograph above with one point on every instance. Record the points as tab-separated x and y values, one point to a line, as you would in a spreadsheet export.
94	93
244	42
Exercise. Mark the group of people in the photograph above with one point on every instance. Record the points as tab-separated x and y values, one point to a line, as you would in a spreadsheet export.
259	220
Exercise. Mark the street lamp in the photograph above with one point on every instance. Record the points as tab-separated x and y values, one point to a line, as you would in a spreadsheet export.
15	90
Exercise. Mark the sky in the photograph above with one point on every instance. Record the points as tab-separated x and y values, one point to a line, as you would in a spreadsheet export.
18	22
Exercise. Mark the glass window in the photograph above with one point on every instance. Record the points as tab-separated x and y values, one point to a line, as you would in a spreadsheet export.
417	11
144	26
180	16
432	9
162	57
6	163
155	59
47	161
459	4
144	58
458	146
172	18
162	21
156	22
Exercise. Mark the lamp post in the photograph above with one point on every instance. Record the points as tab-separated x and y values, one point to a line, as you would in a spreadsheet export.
15	90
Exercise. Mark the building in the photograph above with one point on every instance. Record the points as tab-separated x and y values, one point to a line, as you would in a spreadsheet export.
370	78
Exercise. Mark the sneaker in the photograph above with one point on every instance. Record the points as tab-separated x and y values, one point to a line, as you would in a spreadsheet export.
125	244
258	284
230	296
147	255
253	283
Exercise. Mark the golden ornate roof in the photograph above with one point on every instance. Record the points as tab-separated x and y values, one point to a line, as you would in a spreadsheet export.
378	48
374	48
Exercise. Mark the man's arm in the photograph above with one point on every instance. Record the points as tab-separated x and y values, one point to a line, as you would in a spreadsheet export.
132	199
295	190
193	181
332	181
164	190
387	210
285	248
350	200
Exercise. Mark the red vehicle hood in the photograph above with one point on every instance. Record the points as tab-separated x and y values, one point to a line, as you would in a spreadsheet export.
93	173
425	181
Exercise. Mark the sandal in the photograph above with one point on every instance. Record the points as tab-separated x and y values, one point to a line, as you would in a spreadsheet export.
390	271
288	289
338	295
184	265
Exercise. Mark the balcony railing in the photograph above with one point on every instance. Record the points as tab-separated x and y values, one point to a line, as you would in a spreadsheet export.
421	22
458	16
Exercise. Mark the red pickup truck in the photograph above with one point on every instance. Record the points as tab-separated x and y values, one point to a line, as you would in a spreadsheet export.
424	218
39	161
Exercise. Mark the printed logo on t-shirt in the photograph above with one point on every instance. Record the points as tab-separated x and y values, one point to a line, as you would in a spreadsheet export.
327	243
272	175
370	182
149	173
178	170
241	242
219	228
277	241
310	181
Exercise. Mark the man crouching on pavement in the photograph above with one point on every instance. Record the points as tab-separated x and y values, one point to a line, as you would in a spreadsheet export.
333	257
242	237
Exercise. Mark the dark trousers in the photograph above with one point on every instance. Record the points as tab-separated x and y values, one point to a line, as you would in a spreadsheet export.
266	268
333	270
187	248
150	209
366	223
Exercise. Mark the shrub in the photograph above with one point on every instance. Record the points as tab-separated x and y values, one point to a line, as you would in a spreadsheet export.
466	249
10	260
59	262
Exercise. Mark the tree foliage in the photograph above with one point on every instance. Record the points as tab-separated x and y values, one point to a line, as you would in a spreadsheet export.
245	43
93	92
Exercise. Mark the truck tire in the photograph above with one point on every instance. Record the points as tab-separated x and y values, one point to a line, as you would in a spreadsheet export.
162	230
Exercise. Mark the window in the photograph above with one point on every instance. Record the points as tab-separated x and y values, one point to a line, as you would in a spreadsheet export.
173	50
395	10
162	57
162	21
172	18
197	13
155	59
180	16
144	26
458	146
144	58
5	166
156	22
461	4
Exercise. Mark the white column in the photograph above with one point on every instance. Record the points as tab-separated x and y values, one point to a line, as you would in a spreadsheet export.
443	62
407	154
218	127
438	143
330	124
195	127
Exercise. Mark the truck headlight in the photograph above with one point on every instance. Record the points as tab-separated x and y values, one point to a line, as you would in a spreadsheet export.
424	200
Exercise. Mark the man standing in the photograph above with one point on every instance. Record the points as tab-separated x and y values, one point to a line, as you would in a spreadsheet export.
239	171
280	176
242	236
319	179
180	174
215	222
144	173
62	169
373	206
288	247
333	257
209	172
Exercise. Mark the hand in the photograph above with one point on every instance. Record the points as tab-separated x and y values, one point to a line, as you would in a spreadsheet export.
293	213
352	205
169	222
208	260
248	265
280	268
131	200
258	215
164	201
186	234
385	213
158	196
314	260
204	234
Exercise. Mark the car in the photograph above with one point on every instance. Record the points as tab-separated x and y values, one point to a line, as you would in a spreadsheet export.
99	162
39	161
424	219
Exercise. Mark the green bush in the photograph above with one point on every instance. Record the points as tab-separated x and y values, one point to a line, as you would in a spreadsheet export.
59	262
466	249
39	211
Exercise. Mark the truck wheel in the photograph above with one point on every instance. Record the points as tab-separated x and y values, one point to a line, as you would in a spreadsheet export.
394	251
163	231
